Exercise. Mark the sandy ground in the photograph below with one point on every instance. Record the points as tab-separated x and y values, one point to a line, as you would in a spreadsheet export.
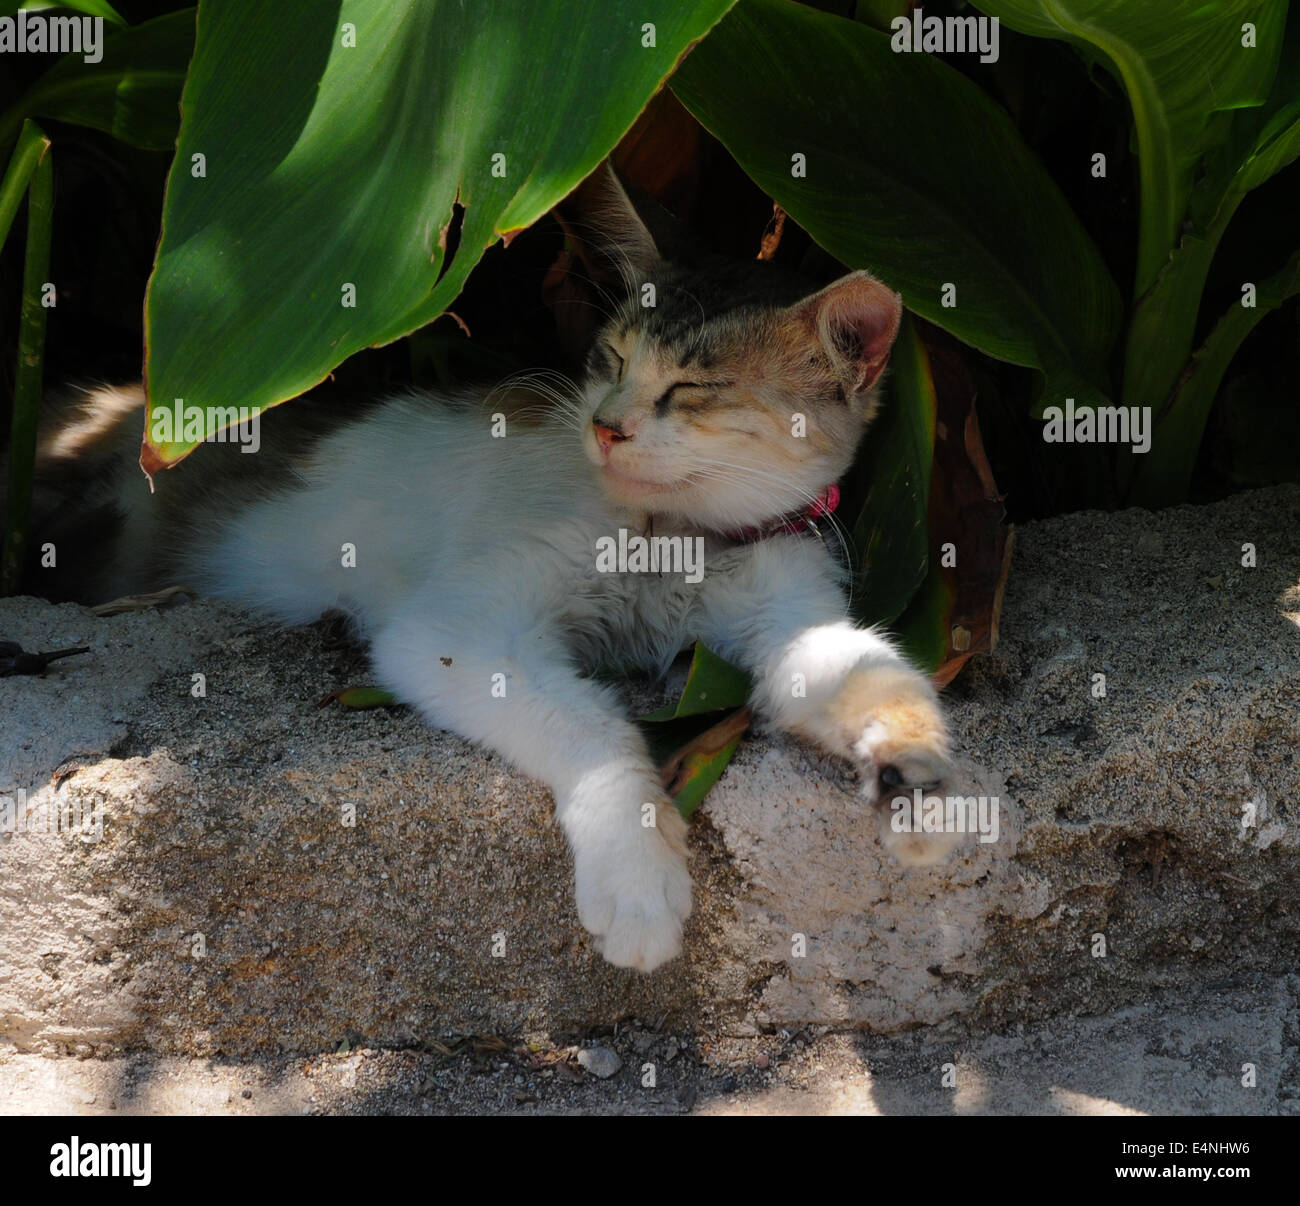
1181	1055
336	956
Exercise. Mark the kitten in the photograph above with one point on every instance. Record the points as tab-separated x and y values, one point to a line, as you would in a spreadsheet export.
475	574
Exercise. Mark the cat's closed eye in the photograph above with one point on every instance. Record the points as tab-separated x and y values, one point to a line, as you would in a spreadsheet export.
616	361
690	395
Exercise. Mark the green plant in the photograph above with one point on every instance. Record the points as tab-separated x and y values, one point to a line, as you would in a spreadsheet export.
351	171
131	92
30	172
909	168
1214	91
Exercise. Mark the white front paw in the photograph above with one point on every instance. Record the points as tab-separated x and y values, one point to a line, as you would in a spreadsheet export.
635	894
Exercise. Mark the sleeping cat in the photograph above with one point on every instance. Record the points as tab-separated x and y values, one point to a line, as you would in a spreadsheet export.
464	544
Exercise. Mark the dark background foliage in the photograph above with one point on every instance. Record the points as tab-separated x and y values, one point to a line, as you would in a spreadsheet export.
108	202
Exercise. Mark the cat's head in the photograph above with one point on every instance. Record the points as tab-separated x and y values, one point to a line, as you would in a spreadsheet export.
727	393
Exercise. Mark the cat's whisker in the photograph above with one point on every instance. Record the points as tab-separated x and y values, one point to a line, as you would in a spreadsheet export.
607	315
613	301
619	259
539	376
552	386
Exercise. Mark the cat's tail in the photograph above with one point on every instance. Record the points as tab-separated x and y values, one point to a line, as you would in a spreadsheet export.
101	530
88	447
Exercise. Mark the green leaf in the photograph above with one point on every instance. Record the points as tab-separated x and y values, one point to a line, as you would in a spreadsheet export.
1185	70
912	172
1261	142
892	474
92	8
879	13
132	93
1169	475
692	753
361	698
1265	140
698	774
331	165
1204	105
922	629
711	684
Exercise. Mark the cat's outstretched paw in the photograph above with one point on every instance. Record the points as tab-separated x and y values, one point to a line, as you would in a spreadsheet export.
895	732
635	899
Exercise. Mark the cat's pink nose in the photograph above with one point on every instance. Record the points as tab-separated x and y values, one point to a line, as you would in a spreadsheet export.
607	435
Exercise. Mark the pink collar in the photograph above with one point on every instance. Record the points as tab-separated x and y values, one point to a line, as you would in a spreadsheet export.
796	524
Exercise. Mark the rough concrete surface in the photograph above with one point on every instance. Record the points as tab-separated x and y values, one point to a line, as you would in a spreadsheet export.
324	907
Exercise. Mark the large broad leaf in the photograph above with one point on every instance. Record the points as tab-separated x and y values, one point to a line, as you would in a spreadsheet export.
132	93
1185	69
880	13
334	147
888	490
1261	141
911	171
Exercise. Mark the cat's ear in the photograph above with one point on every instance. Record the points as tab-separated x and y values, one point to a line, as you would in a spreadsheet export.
603	224
856	321
607	246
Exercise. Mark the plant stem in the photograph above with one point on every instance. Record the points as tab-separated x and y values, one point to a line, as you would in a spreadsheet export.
29	149
31	356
